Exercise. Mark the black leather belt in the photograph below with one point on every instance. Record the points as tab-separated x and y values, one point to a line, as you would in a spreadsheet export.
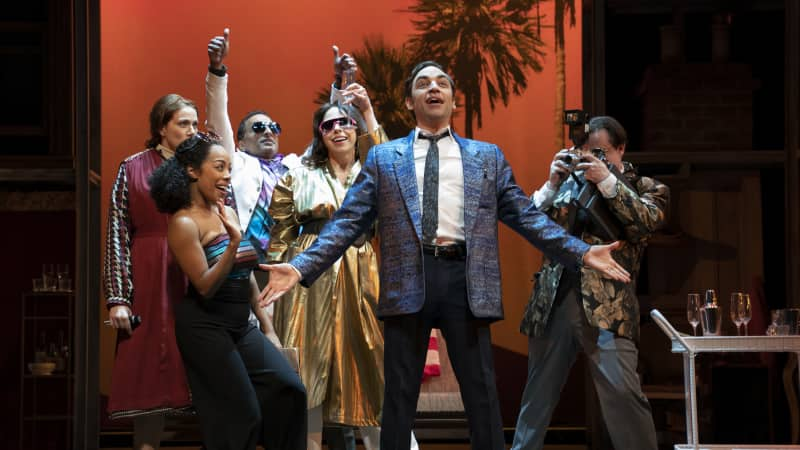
452	251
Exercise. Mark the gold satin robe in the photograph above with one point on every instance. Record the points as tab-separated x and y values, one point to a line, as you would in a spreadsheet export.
333	322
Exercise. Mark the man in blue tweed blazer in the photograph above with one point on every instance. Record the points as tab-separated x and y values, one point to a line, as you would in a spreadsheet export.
439	262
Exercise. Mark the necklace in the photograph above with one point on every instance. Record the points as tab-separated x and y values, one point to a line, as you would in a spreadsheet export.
164	152
346	185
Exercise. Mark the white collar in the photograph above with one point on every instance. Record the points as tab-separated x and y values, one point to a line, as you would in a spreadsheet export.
419	130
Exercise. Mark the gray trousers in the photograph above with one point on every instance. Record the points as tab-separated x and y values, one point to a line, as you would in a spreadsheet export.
612	361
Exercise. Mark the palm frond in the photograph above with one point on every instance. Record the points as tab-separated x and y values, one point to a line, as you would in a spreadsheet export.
488	45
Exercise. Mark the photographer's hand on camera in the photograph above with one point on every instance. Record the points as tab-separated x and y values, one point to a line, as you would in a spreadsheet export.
596	171
559	169
593	169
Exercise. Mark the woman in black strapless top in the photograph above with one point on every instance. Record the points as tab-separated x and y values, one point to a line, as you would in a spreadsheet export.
244	391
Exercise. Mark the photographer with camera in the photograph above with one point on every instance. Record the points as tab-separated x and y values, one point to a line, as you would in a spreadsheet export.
597	197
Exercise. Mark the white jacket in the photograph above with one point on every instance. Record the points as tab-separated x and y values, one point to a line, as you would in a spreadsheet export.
246	174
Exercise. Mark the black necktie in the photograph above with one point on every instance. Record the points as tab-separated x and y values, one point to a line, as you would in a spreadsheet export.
430	189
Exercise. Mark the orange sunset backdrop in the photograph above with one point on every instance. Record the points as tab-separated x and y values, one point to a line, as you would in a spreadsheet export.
280	57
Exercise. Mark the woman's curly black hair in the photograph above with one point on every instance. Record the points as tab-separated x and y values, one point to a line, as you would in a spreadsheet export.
169	183
318	156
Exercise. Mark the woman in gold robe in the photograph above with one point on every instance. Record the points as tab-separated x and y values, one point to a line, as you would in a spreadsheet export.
333	322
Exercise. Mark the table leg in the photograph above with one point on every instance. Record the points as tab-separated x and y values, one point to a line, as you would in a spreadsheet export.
691	398
791	395
795	428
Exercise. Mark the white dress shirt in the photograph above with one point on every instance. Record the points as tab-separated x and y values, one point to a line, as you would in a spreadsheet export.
451	184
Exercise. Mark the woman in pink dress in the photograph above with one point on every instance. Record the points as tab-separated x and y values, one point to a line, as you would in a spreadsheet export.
142	278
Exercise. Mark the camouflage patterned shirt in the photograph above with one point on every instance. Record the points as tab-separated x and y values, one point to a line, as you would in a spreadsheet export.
608	304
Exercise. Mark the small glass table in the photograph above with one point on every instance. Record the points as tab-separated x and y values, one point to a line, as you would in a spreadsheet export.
690	346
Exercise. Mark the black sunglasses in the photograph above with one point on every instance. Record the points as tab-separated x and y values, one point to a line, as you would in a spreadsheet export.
261	126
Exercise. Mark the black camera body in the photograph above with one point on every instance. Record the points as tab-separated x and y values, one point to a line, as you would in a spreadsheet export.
589	203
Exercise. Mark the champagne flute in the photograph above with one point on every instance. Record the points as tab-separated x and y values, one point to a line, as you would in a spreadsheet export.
693	311
745	311
736	304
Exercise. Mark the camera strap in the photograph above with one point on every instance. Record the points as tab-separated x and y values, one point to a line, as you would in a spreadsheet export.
576	219
572	214
591	212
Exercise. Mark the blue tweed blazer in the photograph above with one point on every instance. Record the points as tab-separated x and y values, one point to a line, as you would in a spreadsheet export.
386	190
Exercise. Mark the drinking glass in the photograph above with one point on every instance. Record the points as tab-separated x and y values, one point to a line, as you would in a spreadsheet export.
62	271
49	277
348	78
693	311
736	305
745	311
65	284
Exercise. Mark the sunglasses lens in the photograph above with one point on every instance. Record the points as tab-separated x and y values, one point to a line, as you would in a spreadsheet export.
328	126
259	127
275	127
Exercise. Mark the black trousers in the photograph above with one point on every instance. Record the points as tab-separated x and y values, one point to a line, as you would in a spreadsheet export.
469	348
244	390
339	438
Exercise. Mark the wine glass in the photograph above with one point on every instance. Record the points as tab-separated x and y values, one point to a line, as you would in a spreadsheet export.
693	311
736	304
745	311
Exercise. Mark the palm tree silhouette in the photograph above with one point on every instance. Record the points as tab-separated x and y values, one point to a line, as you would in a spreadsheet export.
382	71
562	7
485	43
